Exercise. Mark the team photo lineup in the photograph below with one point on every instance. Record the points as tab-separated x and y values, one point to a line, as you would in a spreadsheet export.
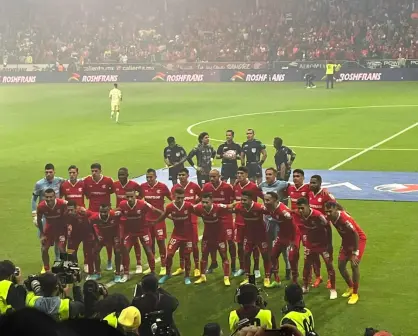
248	211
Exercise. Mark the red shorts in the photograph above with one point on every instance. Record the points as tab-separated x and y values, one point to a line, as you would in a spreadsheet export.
279	245
130	238
107	240
55	234
213	245
249	246
239	233
159	231
174	244
347	253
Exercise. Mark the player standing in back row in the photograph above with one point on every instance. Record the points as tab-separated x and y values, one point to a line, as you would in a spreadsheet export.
115	96
229	152
253	156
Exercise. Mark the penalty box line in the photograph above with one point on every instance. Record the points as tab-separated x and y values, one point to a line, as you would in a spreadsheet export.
368	149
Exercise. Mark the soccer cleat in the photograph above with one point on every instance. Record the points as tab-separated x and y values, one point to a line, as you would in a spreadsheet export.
313	87
288	274
305	290
353	299
43	270
90	277
117	279
348	292
329	286
138	269
147	271
109	266
86	268
266	282
257	274
196	273
275	284
333	294
239	273
317	282
121	269
187	281
308	87
164	279
211	268
163	271
202	279
244	282
226	281
97	276
124	278
178	271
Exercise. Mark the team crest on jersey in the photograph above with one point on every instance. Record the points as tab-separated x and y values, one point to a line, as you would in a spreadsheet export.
67	189
138	212
191	191
320	200
117	189
253	150
185	212
158	191
214	215
80	189
222	193
303	194
58	211
103	186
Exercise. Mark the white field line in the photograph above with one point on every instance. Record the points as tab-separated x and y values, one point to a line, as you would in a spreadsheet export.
368	149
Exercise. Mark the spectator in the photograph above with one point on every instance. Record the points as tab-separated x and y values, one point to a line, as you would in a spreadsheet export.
12	293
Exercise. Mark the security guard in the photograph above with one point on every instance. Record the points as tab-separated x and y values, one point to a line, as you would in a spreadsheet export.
174	157
251	308
12	296
329	72
253	156
295	312
283	158
51	303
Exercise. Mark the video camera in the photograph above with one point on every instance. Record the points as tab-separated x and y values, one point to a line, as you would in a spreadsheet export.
261	301
67	269
158	326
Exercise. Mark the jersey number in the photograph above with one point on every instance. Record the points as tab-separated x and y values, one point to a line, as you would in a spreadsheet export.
308	325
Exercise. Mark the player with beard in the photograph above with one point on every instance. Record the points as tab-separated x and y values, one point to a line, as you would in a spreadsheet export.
318	197
229	152
317	243
120	186
191	192
222	193
352	247
295	191
255	235
213	234
155	193
285	236
244	184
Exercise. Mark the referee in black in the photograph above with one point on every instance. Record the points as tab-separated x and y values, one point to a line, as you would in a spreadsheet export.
253	156
204	153
174	158
283	158
229	163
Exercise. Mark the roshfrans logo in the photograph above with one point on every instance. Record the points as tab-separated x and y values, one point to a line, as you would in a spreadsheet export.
398	188
75	77
239	76
159	77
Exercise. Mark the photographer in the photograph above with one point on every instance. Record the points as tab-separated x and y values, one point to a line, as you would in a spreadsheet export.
93	292
156	306
110	308
12	294
47	294
252	308
295	312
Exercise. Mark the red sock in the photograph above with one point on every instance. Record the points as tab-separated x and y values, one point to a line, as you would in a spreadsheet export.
109	250
256	256
355	287
126	262
188	265
233	253
182	262
213	256
247	265
151	261
203	265
163	251
226	268
169	263
137	249
317	267
267	268
196	256
46	268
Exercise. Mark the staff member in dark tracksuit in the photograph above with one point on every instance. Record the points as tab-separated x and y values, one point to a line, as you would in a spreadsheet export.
283	158
253	156
174	157
229	152
204	153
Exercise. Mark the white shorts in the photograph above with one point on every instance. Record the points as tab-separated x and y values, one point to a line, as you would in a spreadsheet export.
115	107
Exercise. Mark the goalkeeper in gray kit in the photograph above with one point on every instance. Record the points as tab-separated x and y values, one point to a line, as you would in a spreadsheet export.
309	78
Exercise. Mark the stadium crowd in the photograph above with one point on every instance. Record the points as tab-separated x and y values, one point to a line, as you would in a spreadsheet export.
92	31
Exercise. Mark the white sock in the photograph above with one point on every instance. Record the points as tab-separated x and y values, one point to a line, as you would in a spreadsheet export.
117	116
111	114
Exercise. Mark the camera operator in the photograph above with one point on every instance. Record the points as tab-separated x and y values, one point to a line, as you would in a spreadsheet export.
12	293
130	321
295	312
110	308
156	306
47	294
252	308
93	292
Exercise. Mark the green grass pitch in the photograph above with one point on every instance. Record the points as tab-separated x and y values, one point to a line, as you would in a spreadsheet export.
70	124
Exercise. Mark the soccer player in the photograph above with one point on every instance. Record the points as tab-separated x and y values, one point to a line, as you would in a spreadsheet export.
98	189
174	158
253	156
283	158
50	181
271	184
285	236
133	225
213	234
180	212
79	230
317	199
229	152
192	192
255	235
352	247
222	193
54	210
317	243
106	228
205	154
115	96
120	186
244	184
155	193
